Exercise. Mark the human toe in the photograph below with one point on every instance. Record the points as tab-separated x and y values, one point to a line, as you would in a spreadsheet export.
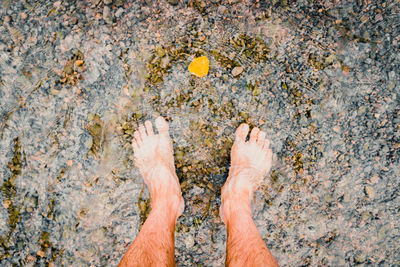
261	139
149	127
254	134
138	139
135	146
267	142
241	132
162	126
142	131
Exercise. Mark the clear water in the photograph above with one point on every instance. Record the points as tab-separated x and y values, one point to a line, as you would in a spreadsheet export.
321	78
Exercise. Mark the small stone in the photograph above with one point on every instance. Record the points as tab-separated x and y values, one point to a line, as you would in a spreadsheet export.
336	129
370	191
74	21
54	91
221	10
236	71
68	69
346	197
107	14
360	258
189	241
374	179
330	59
107	2
160	51
173	2
378	17
119	3
23	15
391	85
89	143
79	62
57	4
164	62
6	203
362	110
41	253
119	12
30	258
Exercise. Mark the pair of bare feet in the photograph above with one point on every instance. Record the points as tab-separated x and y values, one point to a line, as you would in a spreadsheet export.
250	161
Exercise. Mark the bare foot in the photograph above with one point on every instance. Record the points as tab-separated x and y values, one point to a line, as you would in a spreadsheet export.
155	160
250	162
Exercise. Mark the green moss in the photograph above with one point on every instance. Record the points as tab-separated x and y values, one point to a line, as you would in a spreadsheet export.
253	88
250	48
317	62
9	191
161	61
95	129
144	207
73	69
224	61
45	246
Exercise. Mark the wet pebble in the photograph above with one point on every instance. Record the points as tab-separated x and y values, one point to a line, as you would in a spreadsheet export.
236	71
107	14
370	191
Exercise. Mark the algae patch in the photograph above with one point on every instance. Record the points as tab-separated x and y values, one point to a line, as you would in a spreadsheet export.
95	128
9	191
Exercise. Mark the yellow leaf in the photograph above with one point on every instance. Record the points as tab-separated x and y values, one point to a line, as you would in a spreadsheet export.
199	66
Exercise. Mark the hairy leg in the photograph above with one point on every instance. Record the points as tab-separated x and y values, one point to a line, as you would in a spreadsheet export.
154	246
250	161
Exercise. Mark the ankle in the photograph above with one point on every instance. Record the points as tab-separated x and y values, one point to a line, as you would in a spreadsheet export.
166	199
168	205
237	189
235	204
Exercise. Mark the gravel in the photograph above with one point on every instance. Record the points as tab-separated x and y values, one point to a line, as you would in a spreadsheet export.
320	78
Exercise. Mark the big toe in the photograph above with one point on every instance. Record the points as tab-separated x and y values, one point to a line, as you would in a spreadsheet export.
241	132
162	126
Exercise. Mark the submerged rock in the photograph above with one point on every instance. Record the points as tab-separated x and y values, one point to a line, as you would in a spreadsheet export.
236	71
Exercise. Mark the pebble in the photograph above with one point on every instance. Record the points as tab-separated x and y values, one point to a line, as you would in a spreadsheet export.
160	51
370	191
41	253
119	12
107	14
164	62
74	20
236	71
173	2
57	4
189	241
79	62
336	129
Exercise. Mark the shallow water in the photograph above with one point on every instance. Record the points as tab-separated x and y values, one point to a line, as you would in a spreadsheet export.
321	79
